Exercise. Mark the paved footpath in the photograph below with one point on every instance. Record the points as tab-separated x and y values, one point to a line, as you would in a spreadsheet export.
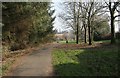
38	63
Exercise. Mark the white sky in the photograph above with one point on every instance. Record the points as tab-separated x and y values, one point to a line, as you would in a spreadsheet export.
58	24
58	9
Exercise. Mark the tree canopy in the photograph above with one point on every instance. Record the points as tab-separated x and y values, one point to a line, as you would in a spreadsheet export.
26	23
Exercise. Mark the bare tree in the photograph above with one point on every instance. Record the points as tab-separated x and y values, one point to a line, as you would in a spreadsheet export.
92	9
84	21
85	11
112	9
70	17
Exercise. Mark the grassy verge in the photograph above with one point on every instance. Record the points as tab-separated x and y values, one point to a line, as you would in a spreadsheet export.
100	61
9	58
6	65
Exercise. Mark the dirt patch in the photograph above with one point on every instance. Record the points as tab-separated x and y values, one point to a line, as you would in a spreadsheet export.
80	46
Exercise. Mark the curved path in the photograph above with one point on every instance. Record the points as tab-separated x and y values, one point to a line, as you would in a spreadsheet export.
38	63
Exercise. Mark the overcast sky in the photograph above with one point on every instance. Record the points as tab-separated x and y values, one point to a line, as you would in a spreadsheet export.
58	24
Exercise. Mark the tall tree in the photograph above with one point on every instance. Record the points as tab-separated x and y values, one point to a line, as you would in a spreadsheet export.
92	9
25	23
84	20
112	9
70	16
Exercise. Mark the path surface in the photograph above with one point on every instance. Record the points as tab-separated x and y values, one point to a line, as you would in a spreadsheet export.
38	63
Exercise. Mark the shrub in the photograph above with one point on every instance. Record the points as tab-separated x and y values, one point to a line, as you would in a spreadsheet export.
17	46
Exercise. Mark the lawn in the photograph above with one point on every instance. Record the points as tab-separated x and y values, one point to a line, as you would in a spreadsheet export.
69	42
95	61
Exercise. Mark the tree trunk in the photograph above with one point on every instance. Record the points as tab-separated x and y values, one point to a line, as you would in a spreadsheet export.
112	12
92	35
85	32
76	25
89	32
77	34
89	23
112	31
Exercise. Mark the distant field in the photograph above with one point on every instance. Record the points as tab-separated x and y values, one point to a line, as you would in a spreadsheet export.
72	42
69	42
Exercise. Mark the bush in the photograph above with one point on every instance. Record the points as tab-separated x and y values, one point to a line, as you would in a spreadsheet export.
102	37
117	35
17	46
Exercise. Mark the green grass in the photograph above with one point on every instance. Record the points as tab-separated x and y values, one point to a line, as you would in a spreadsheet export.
69	42
103	41
74	42
108	41
6	66
86	62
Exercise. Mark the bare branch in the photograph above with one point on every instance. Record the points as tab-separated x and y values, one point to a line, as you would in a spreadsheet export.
116	16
